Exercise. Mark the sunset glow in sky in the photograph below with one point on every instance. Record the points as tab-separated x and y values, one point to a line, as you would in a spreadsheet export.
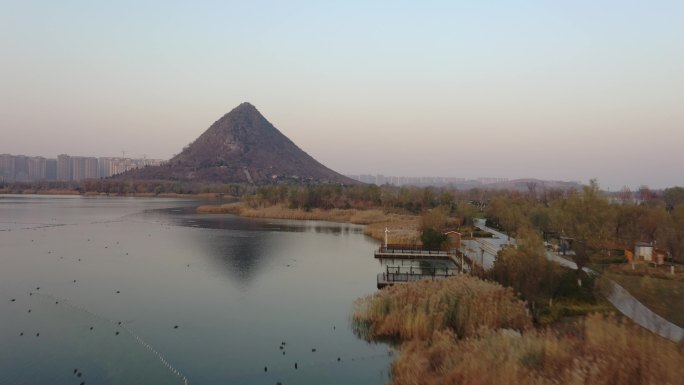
551	90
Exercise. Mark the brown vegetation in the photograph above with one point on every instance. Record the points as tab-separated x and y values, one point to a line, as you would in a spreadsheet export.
404	227
462	305
468	331
607	351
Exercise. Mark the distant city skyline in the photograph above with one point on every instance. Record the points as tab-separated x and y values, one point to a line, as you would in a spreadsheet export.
65	168
515	89
381	179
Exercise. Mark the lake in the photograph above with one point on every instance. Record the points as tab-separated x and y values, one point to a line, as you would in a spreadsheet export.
102	290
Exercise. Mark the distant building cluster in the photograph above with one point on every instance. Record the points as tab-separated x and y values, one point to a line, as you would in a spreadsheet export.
422	181
22	168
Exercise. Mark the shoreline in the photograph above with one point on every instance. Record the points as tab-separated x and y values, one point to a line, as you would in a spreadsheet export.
404	227
199	196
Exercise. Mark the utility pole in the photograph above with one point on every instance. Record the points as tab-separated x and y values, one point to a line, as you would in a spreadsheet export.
386	232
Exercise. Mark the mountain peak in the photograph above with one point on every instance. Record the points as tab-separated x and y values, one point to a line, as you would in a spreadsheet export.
245	107
242	146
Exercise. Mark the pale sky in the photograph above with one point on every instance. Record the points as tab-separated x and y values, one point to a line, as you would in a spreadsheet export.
567	90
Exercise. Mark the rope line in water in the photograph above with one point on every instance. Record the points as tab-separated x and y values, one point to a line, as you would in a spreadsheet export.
142	342
178	373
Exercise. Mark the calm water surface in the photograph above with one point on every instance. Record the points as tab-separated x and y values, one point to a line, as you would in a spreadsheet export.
213	299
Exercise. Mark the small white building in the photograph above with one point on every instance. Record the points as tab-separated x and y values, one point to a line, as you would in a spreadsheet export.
643	251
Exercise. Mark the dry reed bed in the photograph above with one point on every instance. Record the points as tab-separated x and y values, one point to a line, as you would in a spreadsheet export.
404	227
463	305
608	352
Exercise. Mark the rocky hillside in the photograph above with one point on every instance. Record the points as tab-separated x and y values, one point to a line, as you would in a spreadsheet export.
242	147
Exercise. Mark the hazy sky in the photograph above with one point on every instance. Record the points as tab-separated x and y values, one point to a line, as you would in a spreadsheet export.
567	90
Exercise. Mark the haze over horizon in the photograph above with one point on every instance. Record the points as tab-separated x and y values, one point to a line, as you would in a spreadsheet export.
497	89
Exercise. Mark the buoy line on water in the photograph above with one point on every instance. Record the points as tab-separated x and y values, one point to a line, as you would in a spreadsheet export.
122	326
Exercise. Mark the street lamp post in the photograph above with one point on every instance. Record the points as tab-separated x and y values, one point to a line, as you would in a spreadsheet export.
482	259
386	232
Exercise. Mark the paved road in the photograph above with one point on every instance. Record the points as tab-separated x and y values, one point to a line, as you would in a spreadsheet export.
619	297
483	250
639	313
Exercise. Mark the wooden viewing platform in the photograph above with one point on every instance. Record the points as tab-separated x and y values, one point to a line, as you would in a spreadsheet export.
412	252
403	274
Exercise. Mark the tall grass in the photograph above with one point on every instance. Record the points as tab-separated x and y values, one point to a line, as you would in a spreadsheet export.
403	227
462	305
607	351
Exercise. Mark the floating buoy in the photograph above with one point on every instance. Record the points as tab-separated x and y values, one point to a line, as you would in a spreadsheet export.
313	350
175	326
117	333
13	299
37	334
118	292
21	334
91	328
339	359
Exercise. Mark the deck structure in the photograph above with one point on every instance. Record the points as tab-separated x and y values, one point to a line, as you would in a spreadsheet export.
403	274
423	264
413	252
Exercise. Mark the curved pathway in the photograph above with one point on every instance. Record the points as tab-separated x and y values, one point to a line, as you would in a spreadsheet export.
619	297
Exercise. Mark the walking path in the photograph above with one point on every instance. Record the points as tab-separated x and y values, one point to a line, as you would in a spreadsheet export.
619	297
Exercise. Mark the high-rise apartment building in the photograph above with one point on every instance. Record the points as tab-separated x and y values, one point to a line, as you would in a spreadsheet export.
77	167
51	169
21	168
37	168
91	168
64	167
6	168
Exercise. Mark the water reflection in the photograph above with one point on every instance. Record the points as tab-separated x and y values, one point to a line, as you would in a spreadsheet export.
240	255
248	244
187	216
235	287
